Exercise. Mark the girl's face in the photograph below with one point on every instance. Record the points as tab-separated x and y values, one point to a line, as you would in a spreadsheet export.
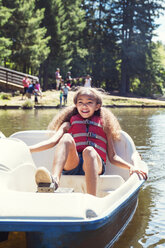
86	106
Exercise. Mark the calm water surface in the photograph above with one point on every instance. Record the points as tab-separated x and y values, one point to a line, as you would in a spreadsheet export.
147	128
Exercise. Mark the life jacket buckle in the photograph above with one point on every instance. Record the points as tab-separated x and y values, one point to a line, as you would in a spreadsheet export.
92	135
87	122
90	143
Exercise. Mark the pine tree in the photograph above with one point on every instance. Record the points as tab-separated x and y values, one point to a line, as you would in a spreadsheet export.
73	46
29	47
134	21
101	43
5	43
64	23
52	21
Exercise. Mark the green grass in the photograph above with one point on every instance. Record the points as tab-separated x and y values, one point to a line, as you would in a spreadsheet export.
52	98
5	96
28	104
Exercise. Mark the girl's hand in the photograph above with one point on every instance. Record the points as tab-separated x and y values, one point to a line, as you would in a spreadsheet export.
139	172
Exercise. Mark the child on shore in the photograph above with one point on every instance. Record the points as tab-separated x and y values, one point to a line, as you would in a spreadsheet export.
84	134
61	96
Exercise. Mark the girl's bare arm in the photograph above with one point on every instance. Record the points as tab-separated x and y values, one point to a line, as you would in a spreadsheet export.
114	158
52	141
118	161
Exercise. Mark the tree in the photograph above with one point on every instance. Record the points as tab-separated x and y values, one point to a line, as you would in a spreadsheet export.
110	40
29	47
100	40
64	21
152	80
5	43
135	21
73	47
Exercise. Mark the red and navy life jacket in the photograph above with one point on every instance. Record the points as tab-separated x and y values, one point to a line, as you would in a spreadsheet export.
89	132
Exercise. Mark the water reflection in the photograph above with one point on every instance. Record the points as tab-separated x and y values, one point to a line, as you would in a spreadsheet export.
18	120
135	231
146	127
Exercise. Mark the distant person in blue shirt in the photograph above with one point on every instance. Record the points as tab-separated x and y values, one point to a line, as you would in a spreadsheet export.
65	90
30	89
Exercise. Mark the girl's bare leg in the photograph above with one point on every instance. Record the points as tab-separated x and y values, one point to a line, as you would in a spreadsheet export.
92	167
66	156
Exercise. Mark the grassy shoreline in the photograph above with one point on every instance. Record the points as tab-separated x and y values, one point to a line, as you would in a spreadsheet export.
50	99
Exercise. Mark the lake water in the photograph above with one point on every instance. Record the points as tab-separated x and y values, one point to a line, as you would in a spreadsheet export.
147	128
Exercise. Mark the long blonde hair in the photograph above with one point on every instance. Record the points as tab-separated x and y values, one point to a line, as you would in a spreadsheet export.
110	122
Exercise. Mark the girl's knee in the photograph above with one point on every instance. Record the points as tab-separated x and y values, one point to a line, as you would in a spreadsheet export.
90	160
66	138
89	152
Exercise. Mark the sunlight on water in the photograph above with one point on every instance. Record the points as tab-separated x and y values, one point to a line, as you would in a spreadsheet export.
155	233
147	129
12	121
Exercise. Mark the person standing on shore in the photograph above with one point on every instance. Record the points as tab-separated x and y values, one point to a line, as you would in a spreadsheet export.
38	88
68	79
88	81
26	82
61	95
58	78
65	90
30	90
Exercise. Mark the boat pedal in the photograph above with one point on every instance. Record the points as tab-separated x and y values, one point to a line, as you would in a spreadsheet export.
50	188
46	188
64	190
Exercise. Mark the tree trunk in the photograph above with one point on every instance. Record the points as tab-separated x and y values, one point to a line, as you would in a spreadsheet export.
45	75
123	77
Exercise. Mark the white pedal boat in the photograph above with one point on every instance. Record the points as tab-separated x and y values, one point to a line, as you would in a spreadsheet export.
69	219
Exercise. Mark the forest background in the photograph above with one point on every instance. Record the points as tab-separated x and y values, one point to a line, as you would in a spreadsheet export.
112	40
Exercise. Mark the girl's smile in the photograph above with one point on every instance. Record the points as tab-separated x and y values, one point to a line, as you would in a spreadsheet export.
86	106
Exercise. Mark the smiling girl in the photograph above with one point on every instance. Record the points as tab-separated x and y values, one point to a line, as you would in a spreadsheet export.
84	137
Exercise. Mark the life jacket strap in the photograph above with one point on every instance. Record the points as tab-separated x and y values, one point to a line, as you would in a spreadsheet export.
90	143
90	134
87	122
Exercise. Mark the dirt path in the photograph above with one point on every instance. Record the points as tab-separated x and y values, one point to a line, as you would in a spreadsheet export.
51	98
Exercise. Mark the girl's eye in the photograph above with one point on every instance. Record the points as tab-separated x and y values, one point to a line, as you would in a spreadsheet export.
82	104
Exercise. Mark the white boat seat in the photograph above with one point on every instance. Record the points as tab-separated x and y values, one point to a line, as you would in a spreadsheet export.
15	152
43	158
22	178
124	147
106	183
17	169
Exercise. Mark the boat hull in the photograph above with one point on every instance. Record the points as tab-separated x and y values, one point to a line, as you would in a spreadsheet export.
101	237
98	233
